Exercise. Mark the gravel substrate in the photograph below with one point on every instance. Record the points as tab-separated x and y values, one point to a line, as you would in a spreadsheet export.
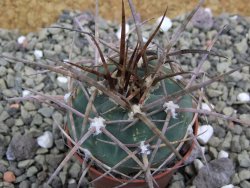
22	123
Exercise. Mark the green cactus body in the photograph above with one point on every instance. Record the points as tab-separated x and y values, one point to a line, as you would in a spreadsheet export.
110	154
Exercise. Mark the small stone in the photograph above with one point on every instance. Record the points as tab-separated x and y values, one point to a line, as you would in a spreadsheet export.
10	93
21	147
245	117
166	23
38	54
205	132
244	142
198	164
213	152
25	163
24	184
244	174
243	97
62	82
9	177
46	111
3	116
217	174
235	145
227	141
31	171
236	179
228	186
74	170
45	140
29	106
60	144
242	46
228	111
214	93
223	154
21	39
26	93
118	33
243	159
205	106
245	184
214	141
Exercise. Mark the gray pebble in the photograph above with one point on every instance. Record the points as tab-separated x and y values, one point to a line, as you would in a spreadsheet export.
31	171
244	174
46	111
243	159
235	145
245	184
74	170
25	163
24	184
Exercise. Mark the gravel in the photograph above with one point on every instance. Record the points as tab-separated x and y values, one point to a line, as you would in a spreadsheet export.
20	127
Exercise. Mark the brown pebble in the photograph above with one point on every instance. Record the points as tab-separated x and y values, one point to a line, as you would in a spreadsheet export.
9	177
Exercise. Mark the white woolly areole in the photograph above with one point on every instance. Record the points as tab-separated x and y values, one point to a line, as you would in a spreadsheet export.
62	79
66	97
178	77
97	123
171	106
148	81
136	109
26	93
144	148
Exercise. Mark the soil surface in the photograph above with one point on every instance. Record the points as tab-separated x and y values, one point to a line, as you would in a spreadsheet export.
30	15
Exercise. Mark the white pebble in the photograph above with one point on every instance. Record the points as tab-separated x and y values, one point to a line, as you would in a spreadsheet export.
62	79
228	186
166	24
205	132
38	54
66	97
21	39
223	154
45	140
25	93
205	106
209	11
198	164
118	33
243	97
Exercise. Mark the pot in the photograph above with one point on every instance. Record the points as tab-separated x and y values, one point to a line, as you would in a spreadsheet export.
162	179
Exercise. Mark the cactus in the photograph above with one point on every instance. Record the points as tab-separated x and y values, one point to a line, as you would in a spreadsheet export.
130	114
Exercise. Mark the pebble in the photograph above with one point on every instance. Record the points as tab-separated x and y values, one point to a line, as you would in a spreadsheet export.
244	174
38	54
25	163
26	93
166	23
198	164
45	140
205	106
245	184
118	33
219	173
205	132
75	170
243	159
46	111
21	39
9	177
223	154
62	82
243	97
228	186
31	171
